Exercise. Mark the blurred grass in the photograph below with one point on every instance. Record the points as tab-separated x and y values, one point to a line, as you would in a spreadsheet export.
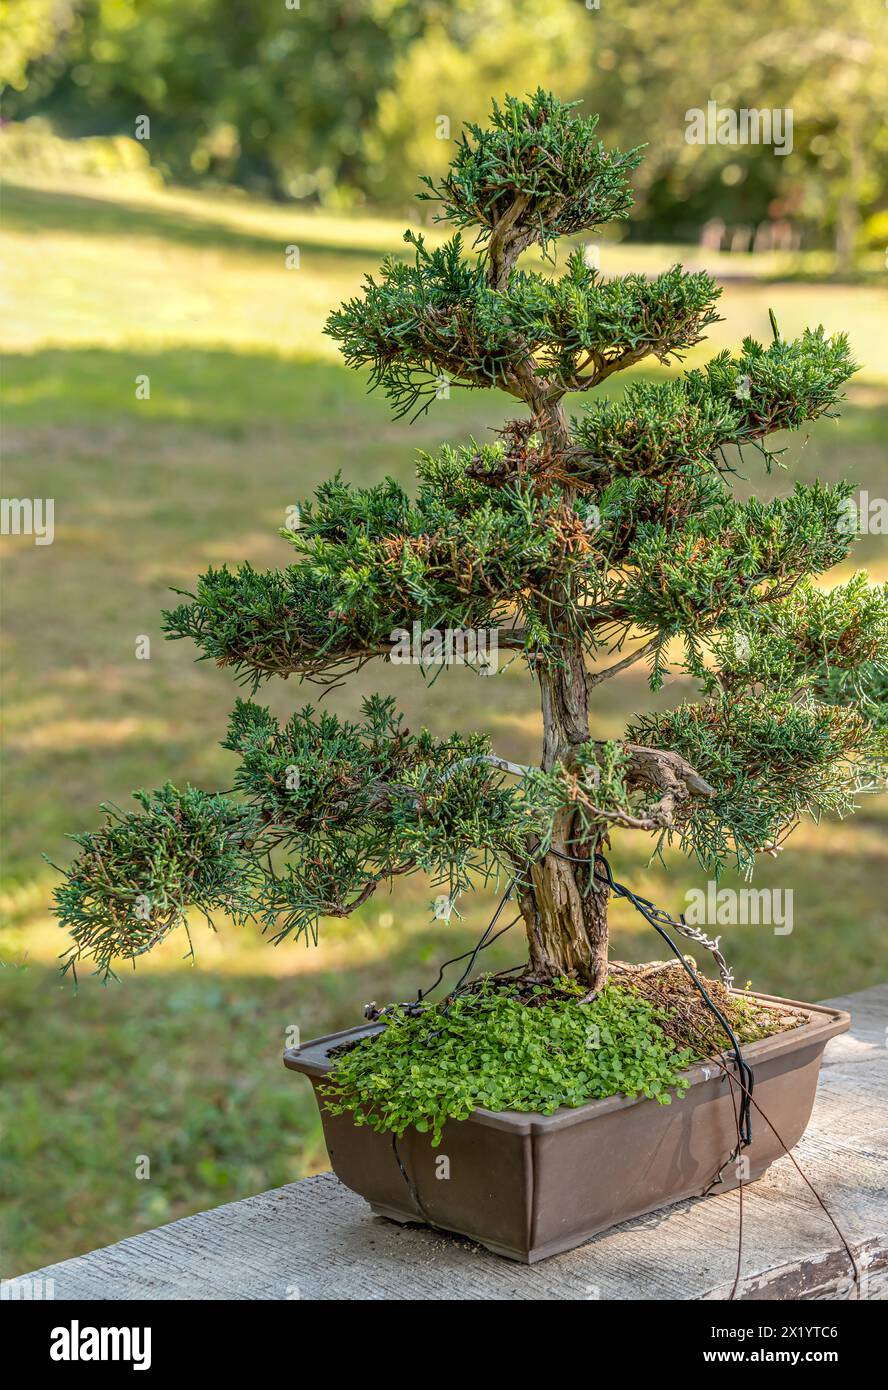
249	409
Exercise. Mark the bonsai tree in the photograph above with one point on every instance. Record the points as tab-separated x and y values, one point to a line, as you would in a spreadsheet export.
583	543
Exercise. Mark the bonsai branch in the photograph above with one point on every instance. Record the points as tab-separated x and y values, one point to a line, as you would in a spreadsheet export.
666	771
596	677
340	909
503	764
507	241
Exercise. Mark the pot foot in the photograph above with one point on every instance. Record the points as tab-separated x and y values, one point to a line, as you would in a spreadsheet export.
400	1217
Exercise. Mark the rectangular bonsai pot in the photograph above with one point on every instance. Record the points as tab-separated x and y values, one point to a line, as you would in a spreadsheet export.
528	1186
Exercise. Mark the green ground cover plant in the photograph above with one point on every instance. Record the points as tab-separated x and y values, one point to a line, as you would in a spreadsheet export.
503	1048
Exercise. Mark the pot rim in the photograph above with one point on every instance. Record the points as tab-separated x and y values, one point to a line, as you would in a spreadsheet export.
313	1060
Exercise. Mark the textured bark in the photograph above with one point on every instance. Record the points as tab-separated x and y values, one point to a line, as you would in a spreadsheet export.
565	915
565	909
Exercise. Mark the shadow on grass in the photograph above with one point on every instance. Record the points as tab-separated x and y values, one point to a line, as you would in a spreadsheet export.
232	393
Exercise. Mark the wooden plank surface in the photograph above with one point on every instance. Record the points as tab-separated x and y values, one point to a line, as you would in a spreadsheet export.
314	1239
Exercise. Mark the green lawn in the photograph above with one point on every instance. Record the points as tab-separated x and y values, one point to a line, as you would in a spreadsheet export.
249	409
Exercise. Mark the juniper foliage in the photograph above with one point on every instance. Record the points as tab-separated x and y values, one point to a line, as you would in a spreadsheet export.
543	156
137	877
613	533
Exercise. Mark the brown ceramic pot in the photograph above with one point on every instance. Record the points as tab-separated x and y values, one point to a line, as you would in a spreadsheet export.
528	1186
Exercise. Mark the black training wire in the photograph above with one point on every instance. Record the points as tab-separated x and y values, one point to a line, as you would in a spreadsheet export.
648	911
422	994
481	946
411	1186
484	942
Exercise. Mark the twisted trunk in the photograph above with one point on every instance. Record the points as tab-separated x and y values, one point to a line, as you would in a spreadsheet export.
564	907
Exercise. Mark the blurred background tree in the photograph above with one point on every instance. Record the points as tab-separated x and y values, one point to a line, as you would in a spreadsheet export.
30	31
338	102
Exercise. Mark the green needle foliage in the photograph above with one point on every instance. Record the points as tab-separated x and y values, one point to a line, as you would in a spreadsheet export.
686	582
460	556
438	320
350	805
771	759
565	180
137	877
656	429
567	537
814	640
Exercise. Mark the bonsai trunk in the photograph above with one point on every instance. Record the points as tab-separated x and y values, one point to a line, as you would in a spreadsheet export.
565	907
